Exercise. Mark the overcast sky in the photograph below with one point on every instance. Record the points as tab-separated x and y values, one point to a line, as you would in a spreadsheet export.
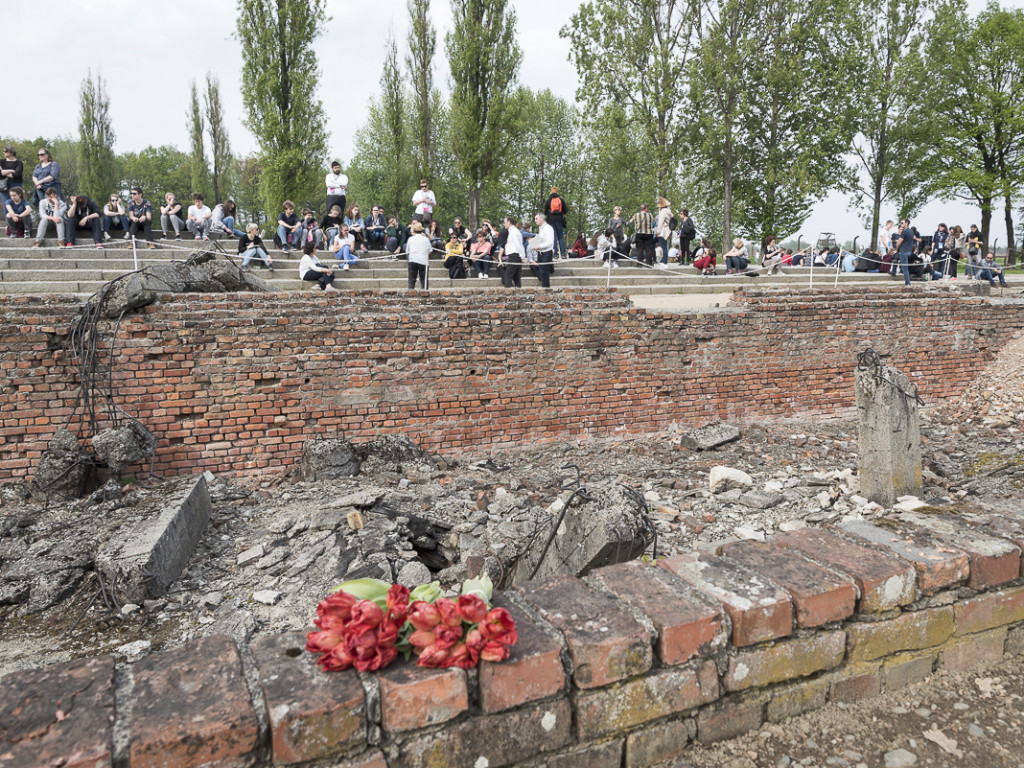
149	56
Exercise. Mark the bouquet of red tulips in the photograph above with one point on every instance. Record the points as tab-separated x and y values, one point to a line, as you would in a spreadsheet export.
366	623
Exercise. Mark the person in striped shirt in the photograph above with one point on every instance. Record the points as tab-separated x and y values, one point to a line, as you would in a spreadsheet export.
643	227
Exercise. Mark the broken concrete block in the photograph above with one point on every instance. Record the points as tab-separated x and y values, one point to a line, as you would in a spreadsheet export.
253	553
726	479
356	520
613	529
146	559
63	468
120	447
756	499
266	596
710	436
889	434
328	458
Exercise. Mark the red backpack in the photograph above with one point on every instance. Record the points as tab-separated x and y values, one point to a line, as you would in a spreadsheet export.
556	205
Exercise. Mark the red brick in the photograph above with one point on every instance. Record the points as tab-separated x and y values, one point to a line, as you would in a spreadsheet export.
729	718
60	715
885	582
758	608
614	709
688	624
372	758
533	671
1004	524
988	611
937	566
820	596
975	650
605	642
505	738
313	714
414	697
190	707
994	560
856	684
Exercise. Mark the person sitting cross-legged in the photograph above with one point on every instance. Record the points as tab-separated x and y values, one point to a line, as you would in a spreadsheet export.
250	246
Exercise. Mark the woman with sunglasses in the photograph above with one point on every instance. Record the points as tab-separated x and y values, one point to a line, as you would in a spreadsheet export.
114	213
46	175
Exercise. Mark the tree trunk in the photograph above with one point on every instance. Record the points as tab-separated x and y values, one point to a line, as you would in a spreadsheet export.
1011	245
986	220
474	207
727	189
876	211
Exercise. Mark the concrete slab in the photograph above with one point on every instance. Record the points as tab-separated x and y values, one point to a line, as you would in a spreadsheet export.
144	560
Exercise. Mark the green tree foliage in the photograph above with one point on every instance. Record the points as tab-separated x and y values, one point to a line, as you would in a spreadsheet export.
484	57
157	170
97	172
280	76
798	122
382	169
247	190
889	150
220	148
978	147
634	54
199	175
419	63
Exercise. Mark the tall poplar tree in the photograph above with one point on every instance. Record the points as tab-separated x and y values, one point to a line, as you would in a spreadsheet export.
220	148
280	76
484	56
199	173
97	174
419	63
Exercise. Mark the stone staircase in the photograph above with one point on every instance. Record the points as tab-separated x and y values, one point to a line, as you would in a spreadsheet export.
82	270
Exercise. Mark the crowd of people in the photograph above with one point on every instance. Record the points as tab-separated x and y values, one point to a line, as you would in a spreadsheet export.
653	238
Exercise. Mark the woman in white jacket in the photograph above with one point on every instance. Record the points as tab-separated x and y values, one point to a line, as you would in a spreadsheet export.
418	247
663	230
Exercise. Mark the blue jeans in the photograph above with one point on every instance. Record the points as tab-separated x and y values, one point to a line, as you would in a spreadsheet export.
544	268
109	221
229	226
298	237
559	238
40	194
346	255
991	275
905	266
375	238
252	253
664	248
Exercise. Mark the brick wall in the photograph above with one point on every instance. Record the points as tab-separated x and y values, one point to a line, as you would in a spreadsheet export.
236	383
622	669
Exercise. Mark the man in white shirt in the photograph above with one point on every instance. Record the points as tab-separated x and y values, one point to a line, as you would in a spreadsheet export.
543	245
425	203
200	217
511	254
885	234
337	187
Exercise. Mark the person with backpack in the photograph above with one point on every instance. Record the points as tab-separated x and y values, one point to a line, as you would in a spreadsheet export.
687	233
555	211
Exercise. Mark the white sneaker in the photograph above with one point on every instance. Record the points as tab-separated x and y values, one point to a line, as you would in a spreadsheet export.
344	266
106	235
615	265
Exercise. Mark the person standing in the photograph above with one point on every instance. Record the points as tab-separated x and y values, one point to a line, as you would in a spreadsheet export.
140	217
885	235
939	241
687	233
617	225
425	203
511	255
663	229
555	211
905	248
418	247
543	245
46	175
337	187
643	227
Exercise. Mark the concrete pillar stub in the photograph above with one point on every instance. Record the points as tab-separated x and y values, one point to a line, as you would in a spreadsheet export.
889	430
